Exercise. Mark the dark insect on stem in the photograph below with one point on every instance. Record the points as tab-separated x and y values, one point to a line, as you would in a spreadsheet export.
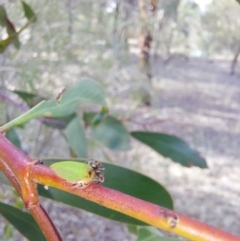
98	169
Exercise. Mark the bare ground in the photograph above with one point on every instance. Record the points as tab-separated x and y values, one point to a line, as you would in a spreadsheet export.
201	103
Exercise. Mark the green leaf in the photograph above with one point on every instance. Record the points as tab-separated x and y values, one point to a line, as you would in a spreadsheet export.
132	229
22	221
110	132
98	118
30	15
59	123
13	137
5	43
172	147
3	16
33	99
8	231
151	234
238	1
119	178
12	33
76	139
29	98
86	90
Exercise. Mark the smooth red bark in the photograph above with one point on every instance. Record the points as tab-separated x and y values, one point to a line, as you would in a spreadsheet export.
17	168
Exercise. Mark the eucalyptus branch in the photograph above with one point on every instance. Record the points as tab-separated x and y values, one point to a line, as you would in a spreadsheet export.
28	172
152	214
17	166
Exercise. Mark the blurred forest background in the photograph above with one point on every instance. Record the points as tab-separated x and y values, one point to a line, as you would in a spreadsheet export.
166	65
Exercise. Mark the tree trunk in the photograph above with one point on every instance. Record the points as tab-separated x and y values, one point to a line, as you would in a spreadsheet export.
234	61
145	36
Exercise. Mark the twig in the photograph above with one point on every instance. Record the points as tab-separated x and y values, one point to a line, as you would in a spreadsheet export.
17	166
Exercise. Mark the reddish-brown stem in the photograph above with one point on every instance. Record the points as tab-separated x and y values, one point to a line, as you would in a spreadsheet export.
45	223
17	166
27	173
147	212
8	173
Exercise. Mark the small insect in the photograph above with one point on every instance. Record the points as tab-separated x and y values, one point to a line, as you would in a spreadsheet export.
79	174
98	169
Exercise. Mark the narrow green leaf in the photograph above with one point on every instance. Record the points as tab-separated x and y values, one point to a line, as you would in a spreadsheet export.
13	137
110	132
76	138
22	221
8	231
12	33
29	98
86	90
132	229
30	15
172	147
3	16
151	234
119	178
5	43
98	118
59	123
33	99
